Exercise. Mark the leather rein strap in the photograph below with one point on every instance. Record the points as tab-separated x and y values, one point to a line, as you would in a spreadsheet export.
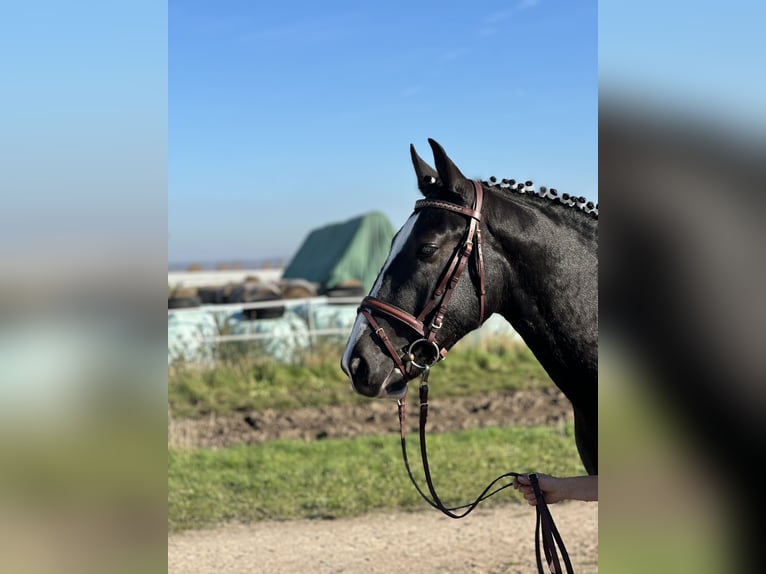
546	533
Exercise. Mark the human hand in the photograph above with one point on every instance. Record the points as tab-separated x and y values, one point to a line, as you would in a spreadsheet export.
547	485
555	489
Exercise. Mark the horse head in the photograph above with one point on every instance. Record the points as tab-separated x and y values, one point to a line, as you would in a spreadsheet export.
422	302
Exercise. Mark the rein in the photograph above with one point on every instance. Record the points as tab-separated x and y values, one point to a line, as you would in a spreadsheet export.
546	533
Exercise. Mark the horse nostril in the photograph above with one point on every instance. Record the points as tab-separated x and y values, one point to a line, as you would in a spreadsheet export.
359	373
358	367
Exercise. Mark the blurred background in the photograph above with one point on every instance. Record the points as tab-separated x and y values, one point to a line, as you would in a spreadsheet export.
116	127
83	234
681	172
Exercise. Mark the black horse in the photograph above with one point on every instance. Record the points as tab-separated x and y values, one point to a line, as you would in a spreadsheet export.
529	255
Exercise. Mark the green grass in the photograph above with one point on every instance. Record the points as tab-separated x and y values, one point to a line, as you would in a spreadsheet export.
316	380
283	480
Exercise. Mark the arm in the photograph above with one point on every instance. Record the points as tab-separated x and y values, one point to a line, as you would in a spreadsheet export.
555	488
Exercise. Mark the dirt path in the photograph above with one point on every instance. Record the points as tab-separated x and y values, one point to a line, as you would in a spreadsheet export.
546	406
498	541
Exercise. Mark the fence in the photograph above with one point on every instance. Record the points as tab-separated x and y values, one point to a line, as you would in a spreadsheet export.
198	334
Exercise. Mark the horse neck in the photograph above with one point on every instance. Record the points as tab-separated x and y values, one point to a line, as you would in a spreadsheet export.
543	280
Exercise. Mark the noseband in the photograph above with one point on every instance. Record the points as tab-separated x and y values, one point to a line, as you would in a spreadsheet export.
441	296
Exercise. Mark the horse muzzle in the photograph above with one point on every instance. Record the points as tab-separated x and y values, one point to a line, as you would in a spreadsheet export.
363	379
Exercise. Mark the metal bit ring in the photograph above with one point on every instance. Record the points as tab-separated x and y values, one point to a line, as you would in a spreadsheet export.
428	365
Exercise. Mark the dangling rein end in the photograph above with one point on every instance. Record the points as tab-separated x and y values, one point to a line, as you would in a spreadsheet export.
548	542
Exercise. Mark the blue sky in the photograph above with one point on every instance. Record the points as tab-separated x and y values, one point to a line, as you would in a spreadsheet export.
700	58
285	116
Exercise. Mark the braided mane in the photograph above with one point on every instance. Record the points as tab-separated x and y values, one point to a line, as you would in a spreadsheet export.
551	194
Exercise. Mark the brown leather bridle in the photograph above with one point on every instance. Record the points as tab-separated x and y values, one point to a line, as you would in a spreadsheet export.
547	536
441	296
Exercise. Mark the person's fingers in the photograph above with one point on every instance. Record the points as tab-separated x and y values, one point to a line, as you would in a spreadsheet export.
526	490
522	479
521	482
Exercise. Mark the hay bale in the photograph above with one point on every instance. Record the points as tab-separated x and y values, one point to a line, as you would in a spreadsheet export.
183	298
211	295
298	289
257	292
351	288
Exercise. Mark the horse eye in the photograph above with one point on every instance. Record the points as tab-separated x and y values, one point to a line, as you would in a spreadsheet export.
428	249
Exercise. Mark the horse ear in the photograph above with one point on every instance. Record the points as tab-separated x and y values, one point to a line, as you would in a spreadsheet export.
448	172
426	175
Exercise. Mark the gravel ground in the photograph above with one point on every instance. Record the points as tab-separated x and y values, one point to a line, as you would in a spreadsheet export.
495	540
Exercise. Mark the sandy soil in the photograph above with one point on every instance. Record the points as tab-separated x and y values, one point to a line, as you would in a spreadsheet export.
487	541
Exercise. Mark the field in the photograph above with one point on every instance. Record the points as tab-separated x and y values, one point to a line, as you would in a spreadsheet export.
258	447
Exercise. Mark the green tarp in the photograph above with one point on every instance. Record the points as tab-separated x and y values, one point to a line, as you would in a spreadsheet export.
341	252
